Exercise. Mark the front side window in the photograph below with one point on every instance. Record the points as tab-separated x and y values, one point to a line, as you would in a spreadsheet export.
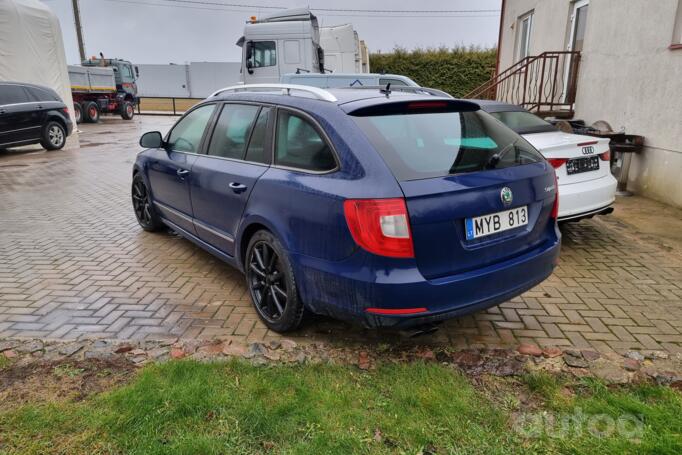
13	94
264	53
187	133
435	144
300	146
232	131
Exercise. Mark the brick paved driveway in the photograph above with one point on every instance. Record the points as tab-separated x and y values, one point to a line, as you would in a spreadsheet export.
74	264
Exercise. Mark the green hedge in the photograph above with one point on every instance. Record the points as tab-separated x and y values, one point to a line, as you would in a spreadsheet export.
456	71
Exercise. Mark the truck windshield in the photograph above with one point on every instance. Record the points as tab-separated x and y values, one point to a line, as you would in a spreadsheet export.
418	145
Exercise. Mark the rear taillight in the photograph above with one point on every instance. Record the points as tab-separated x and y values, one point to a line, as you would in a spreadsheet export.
606	156
555	207
380	226
65	110
557	162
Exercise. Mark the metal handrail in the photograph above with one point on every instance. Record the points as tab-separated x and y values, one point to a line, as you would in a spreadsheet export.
286	89
402	88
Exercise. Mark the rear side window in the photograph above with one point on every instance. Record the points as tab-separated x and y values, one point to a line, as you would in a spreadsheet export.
187	133
421	143
299	145
38	94
12	94
523	122
232	130
257	145
394	82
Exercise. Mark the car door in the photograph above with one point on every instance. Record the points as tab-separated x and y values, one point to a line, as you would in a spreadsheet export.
239	152
169	169
19	117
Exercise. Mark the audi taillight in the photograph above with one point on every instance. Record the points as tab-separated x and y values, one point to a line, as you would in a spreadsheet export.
557	162
555	207
380	226
606	156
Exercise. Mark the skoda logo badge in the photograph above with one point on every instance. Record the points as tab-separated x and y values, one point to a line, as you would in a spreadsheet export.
506	195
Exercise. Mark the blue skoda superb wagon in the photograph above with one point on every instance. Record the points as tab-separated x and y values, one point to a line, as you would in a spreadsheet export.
388	207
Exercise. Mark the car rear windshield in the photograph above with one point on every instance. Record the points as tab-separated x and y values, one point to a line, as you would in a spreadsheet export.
423	143
523	122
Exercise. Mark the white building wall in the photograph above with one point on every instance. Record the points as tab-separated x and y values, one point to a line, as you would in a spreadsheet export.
628	77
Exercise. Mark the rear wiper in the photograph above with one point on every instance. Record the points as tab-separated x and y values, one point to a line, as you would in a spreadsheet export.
497	157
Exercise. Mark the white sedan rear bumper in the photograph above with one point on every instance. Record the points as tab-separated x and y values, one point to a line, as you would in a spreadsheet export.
586	198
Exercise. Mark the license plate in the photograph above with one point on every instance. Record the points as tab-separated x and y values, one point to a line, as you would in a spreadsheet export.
578	165
492	223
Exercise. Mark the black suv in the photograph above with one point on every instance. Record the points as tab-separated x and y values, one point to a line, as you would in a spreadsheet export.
31	114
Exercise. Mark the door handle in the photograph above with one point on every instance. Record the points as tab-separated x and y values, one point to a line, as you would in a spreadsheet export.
182	172
237	187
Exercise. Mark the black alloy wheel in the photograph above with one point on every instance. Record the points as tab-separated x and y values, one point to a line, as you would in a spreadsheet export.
271	283
144	211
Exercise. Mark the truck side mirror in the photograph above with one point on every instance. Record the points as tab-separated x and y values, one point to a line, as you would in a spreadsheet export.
249	55
137	71
151	140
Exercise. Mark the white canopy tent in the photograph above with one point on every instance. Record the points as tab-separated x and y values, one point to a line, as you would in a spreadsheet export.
31	47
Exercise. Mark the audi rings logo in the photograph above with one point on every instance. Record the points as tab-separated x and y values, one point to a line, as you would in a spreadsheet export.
589	150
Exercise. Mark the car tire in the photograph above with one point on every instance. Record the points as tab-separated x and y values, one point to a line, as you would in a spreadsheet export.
53	136
144	210
78	113
127	110
91	112
271	283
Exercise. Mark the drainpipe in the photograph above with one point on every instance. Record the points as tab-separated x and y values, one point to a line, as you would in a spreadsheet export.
499	38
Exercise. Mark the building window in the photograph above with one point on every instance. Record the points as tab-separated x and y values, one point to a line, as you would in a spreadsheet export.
525	28
677	31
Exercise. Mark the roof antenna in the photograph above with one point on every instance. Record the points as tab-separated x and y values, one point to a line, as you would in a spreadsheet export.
386	91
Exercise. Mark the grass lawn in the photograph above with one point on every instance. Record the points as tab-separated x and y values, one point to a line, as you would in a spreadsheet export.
233	408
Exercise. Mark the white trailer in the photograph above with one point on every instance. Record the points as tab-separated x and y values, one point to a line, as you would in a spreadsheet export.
291	41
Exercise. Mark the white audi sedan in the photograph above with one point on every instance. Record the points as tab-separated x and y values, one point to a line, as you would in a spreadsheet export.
582	163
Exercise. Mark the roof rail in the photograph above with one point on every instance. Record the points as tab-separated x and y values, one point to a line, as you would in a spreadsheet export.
403	88
286	89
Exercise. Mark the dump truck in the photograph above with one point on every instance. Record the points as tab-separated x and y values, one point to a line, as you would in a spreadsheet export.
291	41
103	86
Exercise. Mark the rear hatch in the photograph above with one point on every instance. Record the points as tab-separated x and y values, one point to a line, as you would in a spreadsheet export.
457	168
576	158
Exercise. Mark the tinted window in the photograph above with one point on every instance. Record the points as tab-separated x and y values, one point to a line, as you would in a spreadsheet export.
11	94
187	133
264	54
434	144
300	146
256	151
523	122
39	94
391	81
232	131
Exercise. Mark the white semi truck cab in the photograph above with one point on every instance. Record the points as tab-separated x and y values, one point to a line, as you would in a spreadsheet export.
289	42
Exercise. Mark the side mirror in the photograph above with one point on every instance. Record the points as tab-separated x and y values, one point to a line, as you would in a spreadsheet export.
137	71
248	53
151	140
249	66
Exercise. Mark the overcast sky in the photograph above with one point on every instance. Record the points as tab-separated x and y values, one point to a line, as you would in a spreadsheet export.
179	31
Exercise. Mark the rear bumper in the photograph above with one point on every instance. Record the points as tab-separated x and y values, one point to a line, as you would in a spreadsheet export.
346	289
578	200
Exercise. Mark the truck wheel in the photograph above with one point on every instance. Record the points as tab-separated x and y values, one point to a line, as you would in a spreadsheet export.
78	112
127	110
91	112
53	137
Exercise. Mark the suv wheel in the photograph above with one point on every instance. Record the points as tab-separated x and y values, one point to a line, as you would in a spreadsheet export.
271	283
91	112
54	136
142	205
127	110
